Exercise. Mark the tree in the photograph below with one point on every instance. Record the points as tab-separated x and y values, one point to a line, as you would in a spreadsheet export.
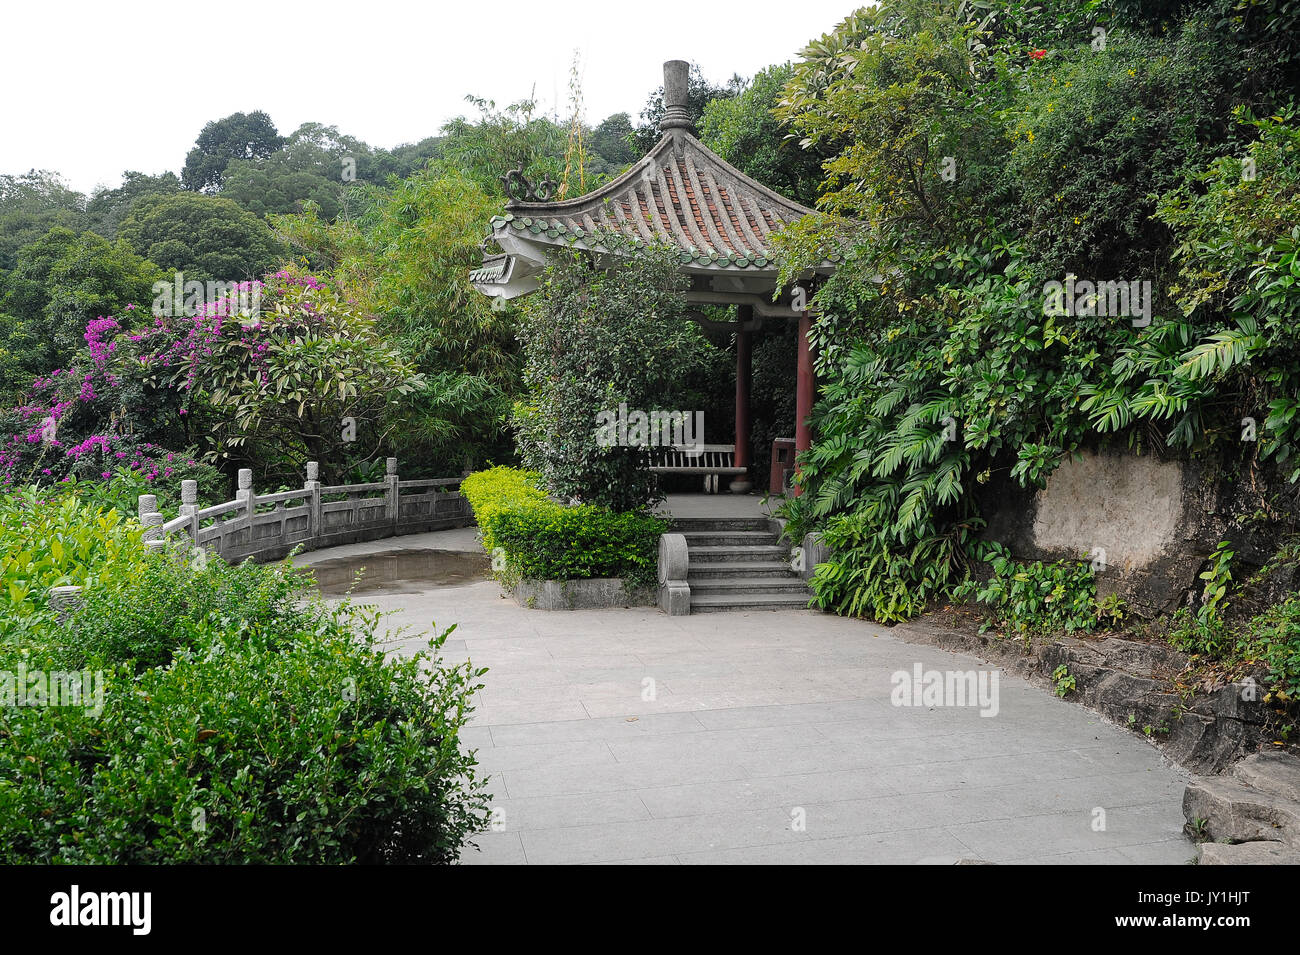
63	282
595	339
501	140
303	379
404	160
205	237
316	164
407	260
744	131
108	207
611	149
31	205
237	136
282	184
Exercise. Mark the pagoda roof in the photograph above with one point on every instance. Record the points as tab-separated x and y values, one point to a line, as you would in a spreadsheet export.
680	194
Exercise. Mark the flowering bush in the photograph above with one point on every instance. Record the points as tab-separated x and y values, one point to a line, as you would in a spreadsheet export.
271	371
295	378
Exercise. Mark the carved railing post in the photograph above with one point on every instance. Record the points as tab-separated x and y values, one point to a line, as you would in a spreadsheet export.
152	521
190	507
312	484
390	478
65	601
153	533
245	493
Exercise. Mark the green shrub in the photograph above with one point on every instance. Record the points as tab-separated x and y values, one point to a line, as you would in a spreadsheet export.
492	491
323	752
188	605
1037	598
1273	638
243	719
544	540
123	491
594	339
52	540
871	574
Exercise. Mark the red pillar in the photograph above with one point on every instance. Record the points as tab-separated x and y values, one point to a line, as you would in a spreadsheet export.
804	388
744	314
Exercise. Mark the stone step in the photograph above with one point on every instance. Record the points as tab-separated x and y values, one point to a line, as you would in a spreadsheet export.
723	569
758	585
683	525
1275	773
717	603
1248	853
729	538
1225	809
735	554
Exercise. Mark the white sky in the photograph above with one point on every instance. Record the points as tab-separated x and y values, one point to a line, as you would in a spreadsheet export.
95	88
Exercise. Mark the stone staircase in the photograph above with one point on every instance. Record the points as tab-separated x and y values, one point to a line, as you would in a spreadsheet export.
1252	813
736	563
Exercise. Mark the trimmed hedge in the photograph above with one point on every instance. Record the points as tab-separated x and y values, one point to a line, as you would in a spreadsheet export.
542	539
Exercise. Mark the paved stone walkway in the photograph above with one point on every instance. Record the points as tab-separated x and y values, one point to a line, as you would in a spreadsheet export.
771	738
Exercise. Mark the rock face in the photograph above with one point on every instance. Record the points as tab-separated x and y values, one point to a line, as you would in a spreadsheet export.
1130	683
1152	522
1252	814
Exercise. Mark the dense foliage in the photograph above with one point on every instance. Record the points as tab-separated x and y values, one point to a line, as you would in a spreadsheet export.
982	152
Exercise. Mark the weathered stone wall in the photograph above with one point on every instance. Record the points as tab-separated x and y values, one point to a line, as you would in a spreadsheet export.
1154	521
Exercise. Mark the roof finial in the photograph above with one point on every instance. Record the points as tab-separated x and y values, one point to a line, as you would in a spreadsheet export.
677	114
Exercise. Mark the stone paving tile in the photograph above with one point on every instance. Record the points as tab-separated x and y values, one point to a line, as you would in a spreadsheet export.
502	759
1002	840
651	860
527	713
784	792
495	848
612	728
562	812
760	717
557	780
720	743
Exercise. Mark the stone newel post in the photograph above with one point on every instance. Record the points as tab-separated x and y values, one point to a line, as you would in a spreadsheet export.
312	484
393	504
153	534
245	491
674	563
190	506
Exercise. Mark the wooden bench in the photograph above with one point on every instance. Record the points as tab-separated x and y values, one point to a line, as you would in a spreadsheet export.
711	460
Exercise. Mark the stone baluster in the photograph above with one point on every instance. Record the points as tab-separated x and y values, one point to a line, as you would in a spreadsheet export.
190	507
244	492
312	484
390	478
153	532
64	601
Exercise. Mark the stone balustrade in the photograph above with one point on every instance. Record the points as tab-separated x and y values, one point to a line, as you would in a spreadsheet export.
269	526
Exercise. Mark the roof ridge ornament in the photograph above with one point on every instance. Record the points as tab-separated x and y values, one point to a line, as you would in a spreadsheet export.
519	189
677	113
